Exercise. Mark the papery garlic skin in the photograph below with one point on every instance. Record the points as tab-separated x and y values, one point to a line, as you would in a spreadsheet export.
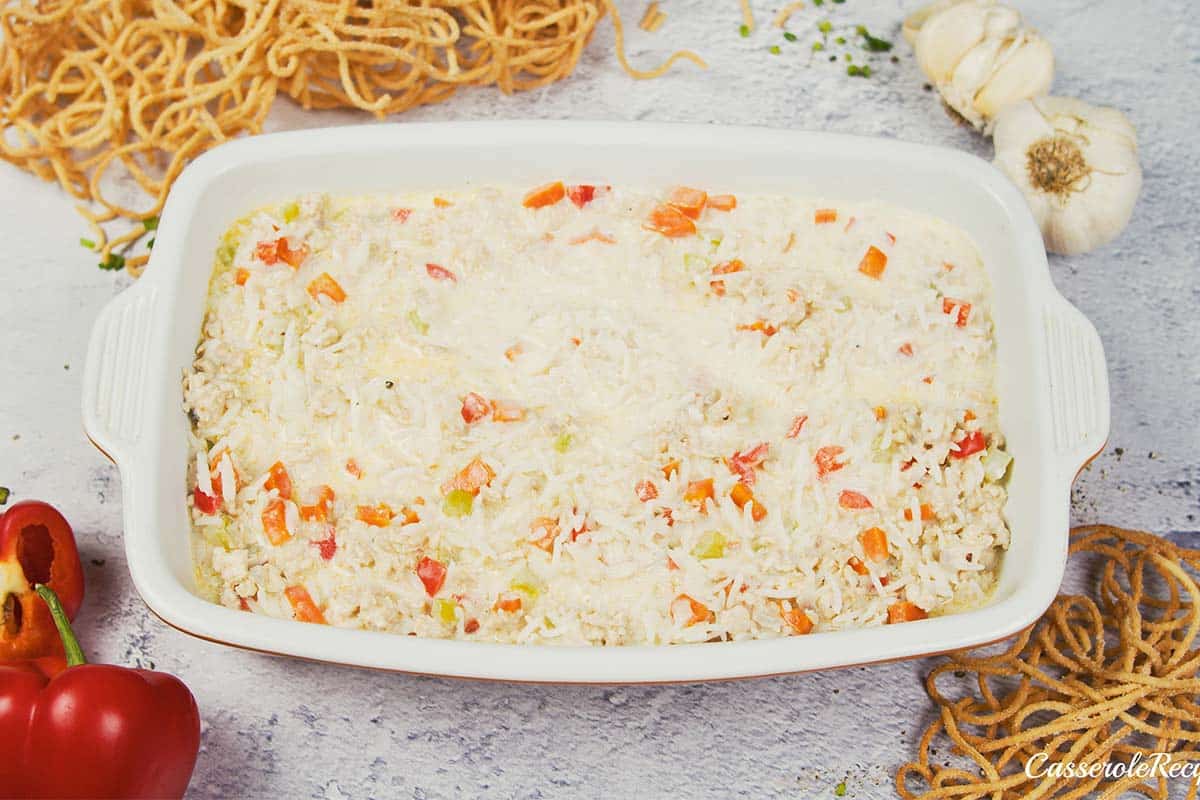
980	56
1076	164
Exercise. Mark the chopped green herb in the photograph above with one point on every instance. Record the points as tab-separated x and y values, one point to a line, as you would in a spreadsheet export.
4	492
150	245
115	261
818	2
150	223
840	789
875	45
290	212
818	46
88	243
824	26
840	40
791	37
859	72
848	57
774	49
421	325
838	2
563	442
744	31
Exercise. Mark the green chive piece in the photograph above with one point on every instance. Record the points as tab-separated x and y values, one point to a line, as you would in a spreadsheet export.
818	46
150	223
744	31
840	789
840	40
88	243
818	2
150	245
774	49
4	493
824	26
838	2
866	70
791	37
114	262
872	43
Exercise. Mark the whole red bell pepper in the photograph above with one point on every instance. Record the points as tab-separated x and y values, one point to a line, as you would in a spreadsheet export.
36	546
69	729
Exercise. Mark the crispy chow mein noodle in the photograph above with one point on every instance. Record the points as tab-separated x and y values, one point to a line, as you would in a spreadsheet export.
1090	683
112	98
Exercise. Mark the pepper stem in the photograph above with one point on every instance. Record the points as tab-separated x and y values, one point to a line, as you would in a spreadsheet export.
71	646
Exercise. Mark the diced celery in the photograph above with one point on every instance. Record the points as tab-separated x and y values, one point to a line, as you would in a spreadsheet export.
711	545
421	325
563	443
458	503
995	465
446	610
527	584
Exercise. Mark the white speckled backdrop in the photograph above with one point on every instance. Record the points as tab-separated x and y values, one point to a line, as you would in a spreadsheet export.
280	728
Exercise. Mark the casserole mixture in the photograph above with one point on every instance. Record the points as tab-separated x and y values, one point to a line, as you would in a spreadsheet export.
594	415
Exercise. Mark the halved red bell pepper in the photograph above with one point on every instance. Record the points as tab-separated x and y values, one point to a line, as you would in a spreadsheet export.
73	729
36	546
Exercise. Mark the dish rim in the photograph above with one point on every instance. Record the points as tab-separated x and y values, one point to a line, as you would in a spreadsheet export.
148	307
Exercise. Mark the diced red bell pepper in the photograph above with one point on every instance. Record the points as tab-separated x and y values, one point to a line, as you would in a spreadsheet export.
670	222
324	284
440	273
546	195
279	480
853	500
797	426
646	491
274	521
974	442
690	202
432	574
303	607
743	464
905	611
873	263
475	407
797	620
581	194
700	492
826	460
319	511
722	202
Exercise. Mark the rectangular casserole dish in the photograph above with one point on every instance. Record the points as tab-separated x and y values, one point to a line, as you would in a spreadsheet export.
1051	382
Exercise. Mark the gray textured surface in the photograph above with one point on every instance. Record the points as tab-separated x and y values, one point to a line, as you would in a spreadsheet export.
280	728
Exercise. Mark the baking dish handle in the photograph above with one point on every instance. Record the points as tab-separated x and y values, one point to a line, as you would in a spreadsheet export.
1078	379
114	376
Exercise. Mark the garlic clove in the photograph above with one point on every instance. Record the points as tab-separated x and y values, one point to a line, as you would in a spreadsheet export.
1025	71
1077	166
914	21
947	36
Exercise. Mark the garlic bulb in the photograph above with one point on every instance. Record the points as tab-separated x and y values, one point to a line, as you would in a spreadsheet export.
1077	165
980	55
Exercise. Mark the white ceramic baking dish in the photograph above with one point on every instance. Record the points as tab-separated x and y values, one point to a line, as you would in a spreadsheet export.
1052	383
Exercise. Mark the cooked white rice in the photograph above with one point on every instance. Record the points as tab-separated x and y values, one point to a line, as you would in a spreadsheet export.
626	358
